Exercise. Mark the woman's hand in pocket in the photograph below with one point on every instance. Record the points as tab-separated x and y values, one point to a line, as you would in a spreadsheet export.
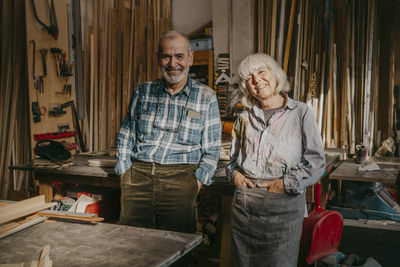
274	186
240	180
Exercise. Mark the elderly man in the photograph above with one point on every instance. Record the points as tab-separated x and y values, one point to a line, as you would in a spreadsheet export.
168	144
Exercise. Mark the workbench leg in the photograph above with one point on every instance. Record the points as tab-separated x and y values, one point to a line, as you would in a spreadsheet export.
225	255
47	190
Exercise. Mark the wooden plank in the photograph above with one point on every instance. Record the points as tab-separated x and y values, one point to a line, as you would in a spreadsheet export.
149	41
14	223
136	53
352	82
126	58
103	77
119	76
5	82
16	227
273	27
297	77
102	91
305	60
113	75
321	120
267	29
91	94
23	208
79	82
44	259
71	216
131	49
95	77
87	84
289	36
335	99
281	32
46	189
367	92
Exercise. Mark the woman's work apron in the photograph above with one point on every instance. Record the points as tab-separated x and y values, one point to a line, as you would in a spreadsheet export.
266	227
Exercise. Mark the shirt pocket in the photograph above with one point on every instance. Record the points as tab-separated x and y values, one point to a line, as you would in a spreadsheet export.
145	119
191	130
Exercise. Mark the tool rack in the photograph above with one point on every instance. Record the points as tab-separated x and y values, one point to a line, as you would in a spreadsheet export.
50	70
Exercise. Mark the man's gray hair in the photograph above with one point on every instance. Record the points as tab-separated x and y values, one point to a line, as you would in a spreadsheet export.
172	35
251	64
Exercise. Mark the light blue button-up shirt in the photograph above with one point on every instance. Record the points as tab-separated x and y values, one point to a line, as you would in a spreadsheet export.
288	146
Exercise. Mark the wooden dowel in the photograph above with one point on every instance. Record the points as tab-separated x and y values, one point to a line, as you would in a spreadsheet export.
289	36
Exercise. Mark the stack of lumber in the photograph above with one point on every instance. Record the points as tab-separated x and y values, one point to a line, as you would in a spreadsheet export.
14	107
18	210
120	42
45	163
16	216
330	51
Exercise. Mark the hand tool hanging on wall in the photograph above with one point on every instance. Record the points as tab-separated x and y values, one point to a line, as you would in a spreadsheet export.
43	53
52	29
65	68
35	82
76	124
35	104
57	52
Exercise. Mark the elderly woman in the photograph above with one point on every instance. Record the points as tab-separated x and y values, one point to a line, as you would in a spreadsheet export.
276	153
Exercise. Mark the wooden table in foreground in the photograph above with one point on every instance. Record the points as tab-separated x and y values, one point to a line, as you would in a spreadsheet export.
102	244
388	174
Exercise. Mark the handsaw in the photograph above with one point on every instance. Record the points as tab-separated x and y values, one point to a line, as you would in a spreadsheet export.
52	29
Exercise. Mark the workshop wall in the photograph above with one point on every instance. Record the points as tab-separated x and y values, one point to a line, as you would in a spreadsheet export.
189	15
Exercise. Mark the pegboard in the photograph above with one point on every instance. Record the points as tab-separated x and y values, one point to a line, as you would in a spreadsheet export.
56	87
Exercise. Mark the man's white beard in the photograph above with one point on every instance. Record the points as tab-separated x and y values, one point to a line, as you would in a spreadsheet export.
173	79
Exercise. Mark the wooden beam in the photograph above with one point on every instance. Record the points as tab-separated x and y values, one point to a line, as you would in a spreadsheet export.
289	36
13	227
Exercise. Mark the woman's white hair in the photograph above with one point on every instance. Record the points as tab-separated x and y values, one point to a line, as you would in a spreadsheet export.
251	64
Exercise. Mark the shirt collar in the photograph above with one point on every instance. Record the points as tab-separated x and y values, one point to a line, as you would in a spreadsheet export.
290	103
259	113
185	90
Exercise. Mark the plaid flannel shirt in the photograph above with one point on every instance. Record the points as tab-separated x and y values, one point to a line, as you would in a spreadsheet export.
184	128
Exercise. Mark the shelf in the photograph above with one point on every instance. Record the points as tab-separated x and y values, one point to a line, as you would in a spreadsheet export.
203	59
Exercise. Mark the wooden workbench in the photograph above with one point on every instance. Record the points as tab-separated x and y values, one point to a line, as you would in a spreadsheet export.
76	244
388	174
80	173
